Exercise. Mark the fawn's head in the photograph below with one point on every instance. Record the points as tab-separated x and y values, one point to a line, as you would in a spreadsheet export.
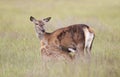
39	25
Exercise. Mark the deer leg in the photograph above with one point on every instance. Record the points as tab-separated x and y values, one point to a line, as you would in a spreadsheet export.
80	51
88	51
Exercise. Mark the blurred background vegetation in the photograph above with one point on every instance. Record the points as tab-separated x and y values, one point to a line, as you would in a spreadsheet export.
19	47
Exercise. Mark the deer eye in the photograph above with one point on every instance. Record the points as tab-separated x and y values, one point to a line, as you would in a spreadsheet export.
36	24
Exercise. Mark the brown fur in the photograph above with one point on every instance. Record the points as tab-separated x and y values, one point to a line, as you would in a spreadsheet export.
54	46
68	37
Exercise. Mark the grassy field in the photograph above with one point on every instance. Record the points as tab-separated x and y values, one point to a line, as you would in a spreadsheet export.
19	46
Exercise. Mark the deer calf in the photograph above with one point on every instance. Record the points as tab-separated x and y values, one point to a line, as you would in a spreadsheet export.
59	44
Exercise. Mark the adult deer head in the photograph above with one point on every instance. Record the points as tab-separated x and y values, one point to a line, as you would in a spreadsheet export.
39	25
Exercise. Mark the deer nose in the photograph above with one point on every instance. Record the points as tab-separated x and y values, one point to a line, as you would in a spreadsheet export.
43	30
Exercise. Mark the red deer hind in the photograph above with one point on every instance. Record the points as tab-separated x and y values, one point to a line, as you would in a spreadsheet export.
64	41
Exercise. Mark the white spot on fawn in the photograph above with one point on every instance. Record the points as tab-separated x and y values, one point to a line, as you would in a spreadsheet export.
72	50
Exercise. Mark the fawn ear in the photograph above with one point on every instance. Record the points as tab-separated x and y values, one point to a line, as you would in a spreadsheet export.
47	19
32	19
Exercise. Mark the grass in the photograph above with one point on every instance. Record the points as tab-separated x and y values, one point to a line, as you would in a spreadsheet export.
19	47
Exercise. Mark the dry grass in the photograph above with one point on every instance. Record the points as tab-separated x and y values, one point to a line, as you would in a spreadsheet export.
19	47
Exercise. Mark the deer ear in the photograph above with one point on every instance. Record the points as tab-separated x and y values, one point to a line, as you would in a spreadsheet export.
32	19
47	19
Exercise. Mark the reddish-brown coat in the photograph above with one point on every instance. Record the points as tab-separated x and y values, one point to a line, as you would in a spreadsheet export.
54	46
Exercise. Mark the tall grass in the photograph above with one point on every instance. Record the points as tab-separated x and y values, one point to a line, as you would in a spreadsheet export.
19	47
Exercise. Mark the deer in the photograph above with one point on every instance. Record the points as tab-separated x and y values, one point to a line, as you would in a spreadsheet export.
59	44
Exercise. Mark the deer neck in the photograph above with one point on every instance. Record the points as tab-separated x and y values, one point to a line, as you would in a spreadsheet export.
44	40
43	35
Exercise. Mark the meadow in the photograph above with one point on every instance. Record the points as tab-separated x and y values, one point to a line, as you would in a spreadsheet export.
20	48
